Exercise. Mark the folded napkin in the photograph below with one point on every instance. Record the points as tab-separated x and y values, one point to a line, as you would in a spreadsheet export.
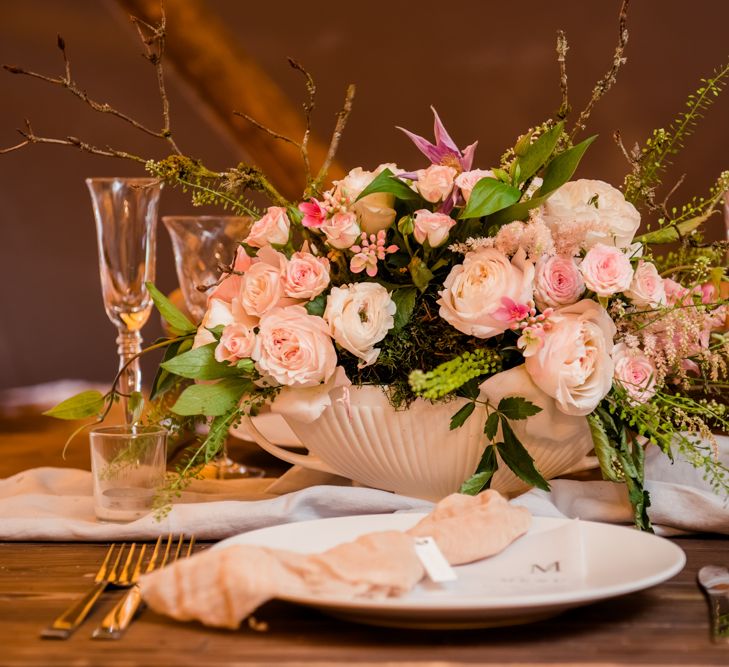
221	588
57	504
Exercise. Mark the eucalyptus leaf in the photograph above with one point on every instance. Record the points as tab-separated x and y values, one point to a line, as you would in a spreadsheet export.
212	399
515	455
178	322
404	299
385	181
200	364
516	407
536	154
488	196
80	406
459	418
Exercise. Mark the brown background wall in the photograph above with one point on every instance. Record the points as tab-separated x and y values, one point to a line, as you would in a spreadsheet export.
487	66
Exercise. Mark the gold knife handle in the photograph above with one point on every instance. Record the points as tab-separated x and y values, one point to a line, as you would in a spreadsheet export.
69	620
119	618
719	605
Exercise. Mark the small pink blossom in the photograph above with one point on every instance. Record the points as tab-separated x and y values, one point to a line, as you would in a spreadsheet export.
432	226
314	213
606	270
436	182
531	340
272	229
369	252
511	311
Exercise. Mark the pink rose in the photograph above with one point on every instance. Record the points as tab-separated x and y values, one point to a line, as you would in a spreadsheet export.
306	276
635	372
436	182
236	343
294	348
341	230
557	282
646	288
272	229
432	226
606	270
374	212
473	291
229	287
574	365
262	286
467	180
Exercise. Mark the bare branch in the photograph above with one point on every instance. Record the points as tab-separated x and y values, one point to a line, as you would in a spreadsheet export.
562	48
32	138
604	84
308	109
671	192
154	46
267	130
342	117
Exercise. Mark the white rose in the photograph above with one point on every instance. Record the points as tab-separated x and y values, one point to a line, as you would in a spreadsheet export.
341	230
574	365
262	288
306	276
635	372
473	291
646	288
294	348
359	316
436	182
557	281
218	312
467	180
431	226
599	206
272	229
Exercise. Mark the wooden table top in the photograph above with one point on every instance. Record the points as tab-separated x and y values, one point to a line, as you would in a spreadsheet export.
667	624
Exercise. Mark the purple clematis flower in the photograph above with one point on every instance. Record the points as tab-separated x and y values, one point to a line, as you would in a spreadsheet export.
444	151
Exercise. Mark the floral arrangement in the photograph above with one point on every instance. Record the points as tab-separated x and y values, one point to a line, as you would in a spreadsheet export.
429	281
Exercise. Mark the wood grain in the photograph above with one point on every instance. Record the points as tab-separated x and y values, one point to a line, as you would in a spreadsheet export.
664	625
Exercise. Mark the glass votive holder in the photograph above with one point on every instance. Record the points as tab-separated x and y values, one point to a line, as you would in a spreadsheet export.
128	465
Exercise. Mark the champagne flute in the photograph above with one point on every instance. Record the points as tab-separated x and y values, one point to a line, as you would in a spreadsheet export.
202	245
125	210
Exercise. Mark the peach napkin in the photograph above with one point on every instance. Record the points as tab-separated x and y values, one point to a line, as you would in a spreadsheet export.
221	588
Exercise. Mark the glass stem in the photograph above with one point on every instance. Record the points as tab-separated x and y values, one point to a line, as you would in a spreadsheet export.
129	344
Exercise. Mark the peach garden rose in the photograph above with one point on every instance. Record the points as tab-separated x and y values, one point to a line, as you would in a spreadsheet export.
272	229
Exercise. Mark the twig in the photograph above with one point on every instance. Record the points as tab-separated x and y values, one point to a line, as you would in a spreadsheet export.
308	109
342	117
562	48
157	38
32	138
671	192
604	84
267	130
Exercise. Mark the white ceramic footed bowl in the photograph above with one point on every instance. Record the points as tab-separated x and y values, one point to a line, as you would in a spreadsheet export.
411	452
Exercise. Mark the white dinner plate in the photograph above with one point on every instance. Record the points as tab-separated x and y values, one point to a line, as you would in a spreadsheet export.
557	565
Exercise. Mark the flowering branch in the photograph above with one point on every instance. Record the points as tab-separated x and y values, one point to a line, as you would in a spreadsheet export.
562	48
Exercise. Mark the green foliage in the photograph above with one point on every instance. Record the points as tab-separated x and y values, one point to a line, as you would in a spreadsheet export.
481	479
212	400
459	418
385	181
449	376
200	364
404	299
420	273
516	408
652	159
533	157
491	426
488	196
82	405
179	323
515	455
317	306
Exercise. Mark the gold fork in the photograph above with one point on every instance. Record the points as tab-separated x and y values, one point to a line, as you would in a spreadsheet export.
121	616
107	574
